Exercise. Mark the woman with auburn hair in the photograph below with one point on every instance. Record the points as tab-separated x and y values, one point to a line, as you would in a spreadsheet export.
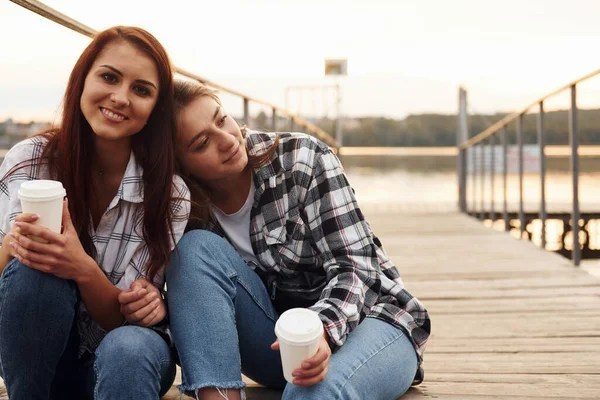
82	314
294	237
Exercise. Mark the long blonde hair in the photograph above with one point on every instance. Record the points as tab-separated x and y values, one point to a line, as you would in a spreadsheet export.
200	215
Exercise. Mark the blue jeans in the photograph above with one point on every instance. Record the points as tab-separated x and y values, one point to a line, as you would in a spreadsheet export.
223	321
39	343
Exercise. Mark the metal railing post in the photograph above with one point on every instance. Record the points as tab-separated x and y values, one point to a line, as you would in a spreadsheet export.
492	171
274	120
505	178
246	111
520	144
574	142
482	172
462	153
540	137
474	172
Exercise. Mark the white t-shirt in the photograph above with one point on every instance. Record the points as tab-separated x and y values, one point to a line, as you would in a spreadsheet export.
237	227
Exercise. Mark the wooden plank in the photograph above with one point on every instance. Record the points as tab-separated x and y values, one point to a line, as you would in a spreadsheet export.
491	326
590	345
452	293
510	305
566	280
514	390
532	379
517	363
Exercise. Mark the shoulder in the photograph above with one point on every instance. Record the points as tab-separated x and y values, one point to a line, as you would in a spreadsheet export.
294	149
26	149
180	188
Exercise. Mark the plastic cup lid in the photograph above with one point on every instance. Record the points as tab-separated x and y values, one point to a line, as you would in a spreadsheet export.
299	325
41	190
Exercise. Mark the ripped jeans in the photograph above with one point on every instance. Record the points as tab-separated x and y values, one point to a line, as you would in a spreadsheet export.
222	321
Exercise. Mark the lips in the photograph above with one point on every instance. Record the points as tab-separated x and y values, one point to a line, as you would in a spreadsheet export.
232	156
113	115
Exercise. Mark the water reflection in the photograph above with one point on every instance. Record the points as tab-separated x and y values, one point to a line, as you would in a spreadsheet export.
428	183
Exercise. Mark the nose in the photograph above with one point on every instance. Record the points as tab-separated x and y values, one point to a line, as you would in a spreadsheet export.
120	96
227	140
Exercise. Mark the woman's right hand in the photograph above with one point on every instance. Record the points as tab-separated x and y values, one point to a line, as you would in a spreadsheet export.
7	249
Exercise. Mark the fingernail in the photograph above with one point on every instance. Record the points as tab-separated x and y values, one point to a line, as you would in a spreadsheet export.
13	245
18	224
296	374
306	365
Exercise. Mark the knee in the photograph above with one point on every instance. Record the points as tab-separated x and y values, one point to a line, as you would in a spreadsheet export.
200	241
130	346
26	284
196	250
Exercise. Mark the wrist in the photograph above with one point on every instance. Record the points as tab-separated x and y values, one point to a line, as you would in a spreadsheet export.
87	272
5	256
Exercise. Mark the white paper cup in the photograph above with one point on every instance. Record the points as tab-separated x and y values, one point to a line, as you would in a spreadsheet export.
45	199
299	331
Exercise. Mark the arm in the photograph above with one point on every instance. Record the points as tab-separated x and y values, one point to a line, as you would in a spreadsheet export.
343	238
143	304
64	257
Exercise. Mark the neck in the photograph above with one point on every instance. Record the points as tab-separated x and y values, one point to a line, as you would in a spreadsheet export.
111	158
231	194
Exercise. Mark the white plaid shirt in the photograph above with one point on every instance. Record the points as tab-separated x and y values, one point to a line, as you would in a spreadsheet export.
121	250
310	237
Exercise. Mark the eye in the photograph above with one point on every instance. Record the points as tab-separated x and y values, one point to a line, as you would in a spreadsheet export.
108	77
141	90
222	120
203	143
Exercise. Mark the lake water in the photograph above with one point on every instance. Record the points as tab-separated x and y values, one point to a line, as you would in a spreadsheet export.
423	180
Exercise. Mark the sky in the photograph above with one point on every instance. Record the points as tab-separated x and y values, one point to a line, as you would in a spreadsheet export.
404	57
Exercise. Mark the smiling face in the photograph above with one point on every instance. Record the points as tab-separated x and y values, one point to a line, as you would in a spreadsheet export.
210	145
120	91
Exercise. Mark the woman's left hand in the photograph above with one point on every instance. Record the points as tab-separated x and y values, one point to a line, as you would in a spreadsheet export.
314	369
142	304
62	255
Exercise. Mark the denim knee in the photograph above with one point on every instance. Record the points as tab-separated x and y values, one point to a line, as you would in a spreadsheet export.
37	311
28	284
130	344
199	245
132	352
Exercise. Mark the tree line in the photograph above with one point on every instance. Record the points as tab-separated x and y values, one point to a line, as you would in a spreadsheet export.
440	129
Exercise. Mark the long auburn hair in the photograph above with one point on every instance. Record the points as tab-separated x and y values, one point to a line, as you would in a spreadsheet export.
70	148
200	213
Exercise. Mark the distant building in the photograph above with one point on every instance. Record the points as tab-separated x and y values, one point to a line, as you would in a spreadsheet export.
13	132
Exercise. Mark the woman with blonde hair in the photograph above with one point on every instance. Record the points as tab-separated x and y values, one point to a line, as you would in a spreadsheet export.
277	227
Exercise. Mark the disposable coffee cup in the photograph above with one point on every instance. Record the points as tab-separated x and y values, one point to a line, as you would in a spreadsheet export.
299	331
45	199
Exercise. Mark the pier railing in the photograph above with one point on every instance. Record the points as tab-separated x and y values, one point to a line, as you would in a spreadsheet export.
295	121
496	135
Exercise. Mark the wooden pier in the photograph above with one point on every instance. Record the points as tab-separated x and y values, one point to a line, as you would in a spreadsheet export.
509	320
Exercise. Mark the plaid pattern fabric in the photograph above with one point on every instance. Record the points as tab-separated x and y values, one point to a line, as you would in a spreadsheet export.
306	227
121	250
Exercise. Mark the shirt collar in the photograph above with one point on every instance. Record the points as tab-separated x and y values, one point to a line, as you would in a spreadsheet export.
132	184
257	144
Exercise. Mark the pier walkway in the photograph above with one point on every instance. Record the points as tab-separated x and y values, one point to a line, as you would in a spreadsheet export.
508	319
